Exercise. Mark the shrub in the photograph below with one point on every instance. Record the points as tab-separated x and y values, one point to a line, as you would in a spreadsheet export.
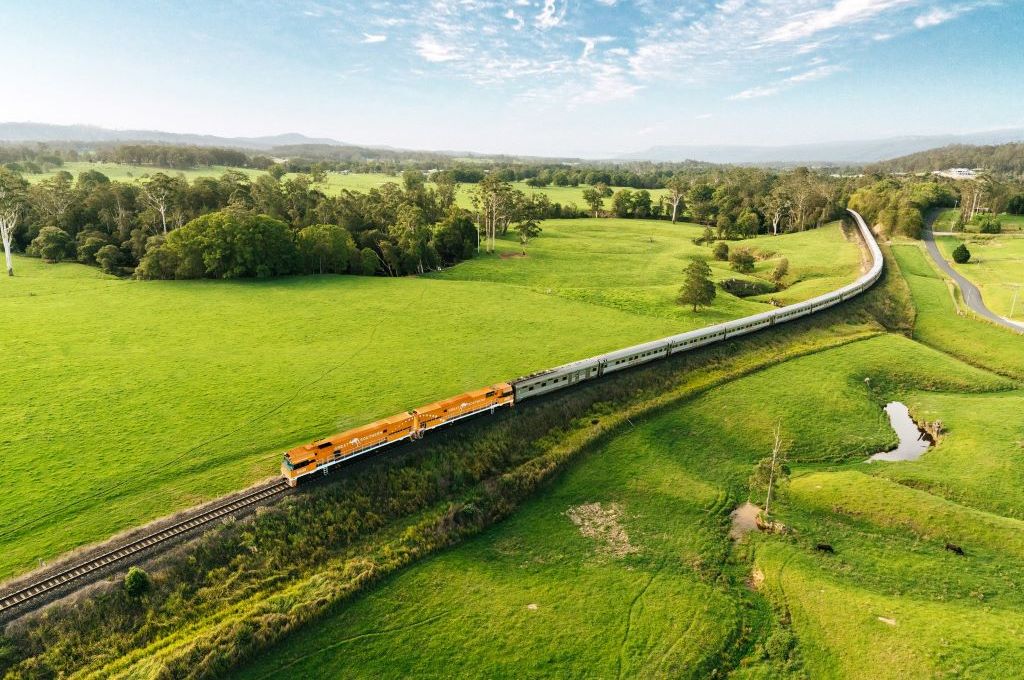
721	251
961	255
779	645
52	244
780	271
745	288
741	260
987	224
89	243
109	258
136	582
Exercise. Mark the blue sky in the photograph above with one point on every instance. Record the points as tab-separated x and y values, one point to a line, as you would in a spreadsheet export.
546	77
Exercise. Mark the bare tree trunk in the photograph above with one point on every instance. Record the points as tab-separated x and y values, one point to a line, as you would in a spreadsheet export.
771	475
7	224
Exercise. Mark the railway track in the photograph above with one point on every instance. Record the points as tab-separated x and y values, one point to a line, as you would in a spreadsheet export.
37	590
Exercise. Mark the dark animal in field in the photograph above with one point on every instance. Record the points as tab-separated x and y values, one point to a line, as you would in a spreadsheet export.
953	548
825	548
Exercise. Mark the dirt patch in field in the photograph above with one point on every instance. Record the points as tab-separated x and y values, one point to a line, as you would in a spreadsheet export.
509	256
744	520
601	524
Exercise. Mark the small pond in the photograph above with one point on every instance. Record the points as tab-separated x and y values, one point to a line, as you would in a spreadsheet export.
913	441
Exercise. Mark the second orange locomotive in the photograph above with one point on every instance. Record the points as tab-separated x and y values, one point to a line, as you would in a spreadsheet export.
321	454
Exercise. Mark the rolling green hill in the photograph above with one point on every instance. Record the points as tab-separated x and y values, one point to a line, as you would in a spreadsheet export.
128	399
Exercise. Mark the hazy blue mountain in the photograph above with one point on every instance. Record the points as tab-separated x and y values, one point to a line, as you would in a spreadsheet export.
853	152
41	132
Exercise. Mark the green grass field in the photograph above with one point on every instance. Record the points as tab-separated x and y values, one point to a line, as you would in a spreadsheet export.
333	185
939	325
996	268
132	399
664	593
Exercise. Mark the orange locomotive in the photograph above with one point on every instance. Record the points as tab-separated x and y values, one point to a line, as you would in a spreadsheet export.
321	454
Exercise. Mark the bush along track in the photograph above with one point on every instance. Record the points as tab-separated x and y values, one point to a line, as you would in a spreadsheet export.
246	585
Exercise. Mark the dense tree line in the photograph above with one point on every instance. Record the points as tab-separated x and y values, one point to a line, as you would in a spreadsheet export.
899	205
235	226
174	156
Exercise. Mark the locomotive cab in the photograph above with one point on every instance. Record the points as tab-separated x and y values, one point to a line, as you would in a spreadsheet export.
295	463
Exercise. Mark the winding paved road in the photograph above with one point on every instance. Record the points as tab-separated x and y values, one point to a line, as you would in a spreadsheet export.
972	296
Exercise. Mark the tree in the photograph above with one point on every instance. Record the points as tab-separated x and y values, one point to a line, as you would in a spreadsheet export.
676	187
699	199
642	203
13	190
623	203
770	472
698	289
413	239
496	202
723	225
223	245
53	244
748	224
961	255
527	229
594	199
325	249
741	260
52	198
159	193
721	251
136	582
447	189
776	207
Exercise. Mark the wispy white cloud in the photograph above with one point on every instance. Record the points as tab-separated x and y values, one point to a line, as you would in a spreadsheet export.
551	15
610	50
756	92
843	13
936	16
431	50
816	73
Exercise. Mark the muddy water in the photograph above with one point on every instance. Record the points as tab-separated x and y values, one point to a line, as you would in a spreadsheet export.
913	442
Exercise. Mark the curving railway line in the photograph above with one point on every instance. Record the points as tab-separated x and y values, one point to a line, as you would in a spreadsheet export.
320	455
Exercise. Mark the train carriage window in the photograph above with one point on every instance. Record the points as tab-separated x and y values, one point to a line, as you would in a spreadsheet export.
324	445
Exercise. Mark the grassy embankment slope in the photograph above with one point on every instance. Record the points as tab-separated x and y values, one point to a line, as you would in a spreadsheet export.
659	590
996	268
127	400
334	184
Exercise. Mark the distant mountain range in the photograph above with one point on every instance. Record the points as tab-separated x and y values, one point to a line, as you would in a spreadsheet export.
41	132
849	152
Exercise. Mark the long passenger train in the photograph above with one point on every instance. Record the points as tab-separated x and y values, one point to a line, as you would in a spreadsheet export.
322	454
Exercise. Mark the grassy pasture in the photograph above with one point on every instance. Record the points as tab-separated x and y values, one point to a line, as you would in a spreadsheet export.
156	395
333	185
536	596
996	267
938	324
